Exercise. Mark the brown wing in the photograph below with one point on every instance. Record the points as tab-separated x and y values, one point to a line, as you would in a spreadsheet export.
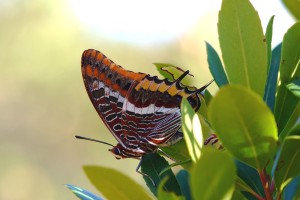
107	85
151	113
141	111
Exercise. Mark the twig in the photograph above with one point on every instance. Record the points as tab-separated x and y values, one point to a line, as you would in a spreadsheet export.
266	184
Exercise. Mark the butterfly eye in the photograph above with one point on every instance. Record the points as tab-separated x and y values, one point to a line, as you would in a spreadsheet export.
116	152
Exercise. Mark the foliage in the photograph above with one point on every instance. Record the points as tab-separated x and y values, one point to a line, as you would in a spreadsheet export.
254	115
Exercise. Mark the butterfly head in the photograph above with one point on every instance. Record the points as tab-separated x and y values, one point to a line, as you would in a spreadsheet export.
124	152
116	152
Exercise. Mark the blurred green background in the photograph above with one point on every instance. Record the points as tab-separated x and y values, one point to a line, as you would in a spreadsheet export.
43	100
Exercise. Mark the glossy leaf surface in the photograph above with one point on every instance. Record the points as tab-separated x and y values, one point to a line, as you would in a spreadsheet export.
244	124
243	46
113	184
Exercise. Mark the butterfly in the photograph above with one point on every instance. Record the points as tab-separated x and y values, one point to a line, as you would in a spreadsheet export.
141	111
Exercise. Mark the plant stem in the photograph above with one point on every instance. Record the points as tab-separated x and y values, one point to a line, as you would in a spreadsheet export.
266	184
279	196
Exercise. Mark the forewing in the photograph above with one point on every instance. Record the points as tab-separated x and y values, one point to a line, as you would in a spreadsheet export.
107	84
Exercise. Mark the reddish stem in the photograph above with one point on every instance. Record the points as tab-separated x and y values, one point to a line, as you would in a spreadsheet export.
266	184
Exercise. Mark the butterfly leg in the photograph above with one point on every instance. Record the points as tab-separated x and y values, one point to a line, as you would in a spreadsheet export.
143	174
212	139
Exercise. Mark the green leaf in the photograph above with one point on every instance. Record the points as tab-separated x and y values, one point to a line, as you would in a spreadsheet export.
113	184
269	32
244	50
245	189
213	177
168	70
271	86
152	165
250	176
203	108
171	72
82	193
215	66
244	124
293	6
191	130
207	96
295	130
286	102
289	161
290	54
237	195
178	152
292	190
163	195
291	123
294	87
183	178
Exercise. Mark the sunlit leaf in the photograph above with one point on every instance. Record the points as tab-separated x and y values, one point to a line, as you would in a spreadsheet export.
290	54
244	50
172	72
293	6
82	193
215	66
113	184
192	130
244	124
271	85
286	102
213	177
289	161
152	165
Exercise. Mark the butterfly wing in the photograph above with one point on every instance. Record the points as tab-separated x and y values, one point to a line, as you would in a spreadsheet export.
151	112
107	85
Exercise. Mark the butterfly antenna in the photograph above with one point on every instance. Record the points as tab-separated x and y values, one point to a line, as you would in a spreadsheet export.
182	76
94	140
204	87
177	81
